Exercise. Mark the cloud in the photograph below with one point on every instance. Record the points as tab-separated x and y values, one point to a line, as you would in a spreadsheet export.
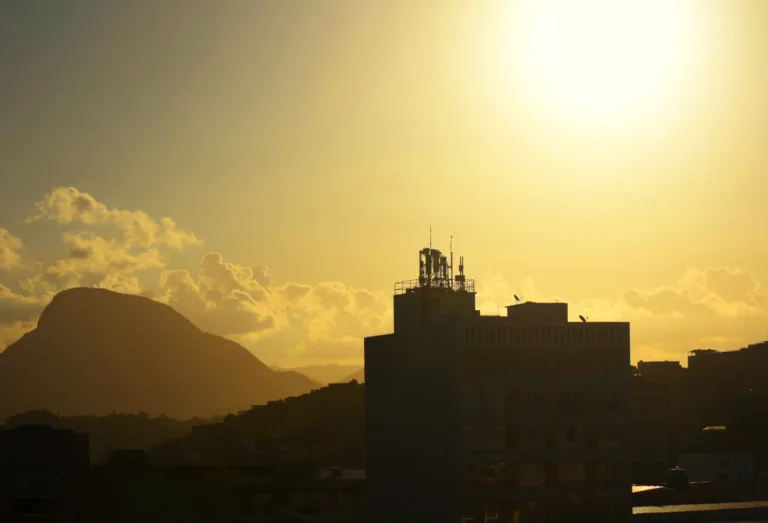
289	324
15	307
10	246
12	331
67	205
223	298
92	260
18	314
722	291
321	323
662	300
97	260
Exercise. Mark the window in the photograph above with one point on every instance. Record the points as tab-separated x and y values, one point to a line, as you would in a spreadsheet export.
532	474
610	471
496	472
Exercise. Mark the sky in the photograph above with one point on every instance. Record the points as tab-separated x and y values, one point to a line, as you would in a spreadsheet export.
271	168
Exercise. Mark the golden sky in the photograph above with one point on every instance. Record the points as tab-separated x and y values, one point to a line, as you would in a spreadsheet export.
271	168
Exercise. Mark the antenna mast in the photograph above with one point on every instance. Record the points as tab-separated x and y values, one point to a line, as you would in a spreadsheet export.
451	267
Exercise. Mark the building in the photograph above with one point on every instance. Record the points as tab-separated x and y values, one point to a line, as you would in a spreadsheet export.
656	405
39	466
479	418
720	458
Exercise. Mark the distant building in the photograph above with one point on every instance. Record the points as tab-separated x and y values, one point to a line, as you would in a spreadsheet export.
718	457
656	389
488	418
663	372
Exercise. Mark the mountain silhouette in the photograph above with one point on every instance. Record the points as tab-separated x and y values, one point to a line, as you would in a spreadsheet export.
96	351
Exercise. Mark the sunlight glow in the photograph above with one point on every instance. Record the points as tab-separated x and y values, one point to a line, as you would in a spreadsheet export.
602	60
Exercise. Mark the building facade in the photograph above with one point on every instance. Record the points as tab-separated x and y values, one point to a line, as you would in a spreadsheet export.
479	418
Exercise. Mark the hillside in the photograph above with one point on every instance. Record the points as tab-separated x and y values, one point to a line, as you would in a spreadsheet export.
325	427
96	351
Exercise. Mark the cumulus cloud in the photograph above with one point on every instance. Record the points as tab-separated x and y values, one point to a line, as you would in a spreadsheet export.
289	324
223	298
15	307
10	246
67	205
721	291
321	323
662	300
98	260
12	331
18	314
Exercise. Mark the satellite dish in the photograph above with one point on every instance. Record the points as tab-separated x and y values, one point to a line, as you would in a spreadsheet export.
582	318
517	300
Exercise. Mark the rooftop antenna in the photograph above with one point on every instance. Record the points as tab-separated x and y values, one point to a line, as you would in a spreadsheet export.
517	300
583	319
430	237
451	267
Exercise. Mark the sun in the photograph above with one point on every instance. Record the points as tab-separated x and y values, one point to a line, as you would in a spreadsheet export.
602	60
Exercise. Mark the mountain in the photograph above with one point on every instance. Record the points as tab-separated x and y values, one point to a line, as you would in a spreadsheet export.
358	376
96	351
325	374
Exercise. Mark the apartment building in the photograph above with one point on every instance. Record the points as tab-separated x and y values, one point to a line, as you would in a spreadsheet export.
473	418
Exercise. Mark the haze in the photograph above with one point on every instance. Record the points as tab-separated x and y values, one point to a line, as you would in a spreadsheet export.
271	168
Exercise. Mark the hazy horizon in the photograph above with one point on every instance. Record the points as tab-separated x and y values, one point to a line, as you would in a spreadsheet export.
272	168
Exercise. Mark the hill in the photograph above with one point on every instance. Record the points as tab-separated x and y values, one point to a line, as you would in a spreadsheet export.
323	428
96	351
325	374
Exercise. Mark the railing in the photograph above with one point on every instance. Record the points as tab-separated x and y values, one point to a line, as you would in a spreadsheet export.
403	287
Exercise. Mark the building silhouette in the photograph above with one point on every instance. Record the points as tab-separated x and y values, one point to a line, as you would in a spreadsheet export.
657	417
39	468
479	418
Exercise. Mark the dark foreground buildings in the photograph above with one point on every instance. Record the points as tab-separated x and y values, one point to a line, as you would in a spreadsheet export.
40	468
477	418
